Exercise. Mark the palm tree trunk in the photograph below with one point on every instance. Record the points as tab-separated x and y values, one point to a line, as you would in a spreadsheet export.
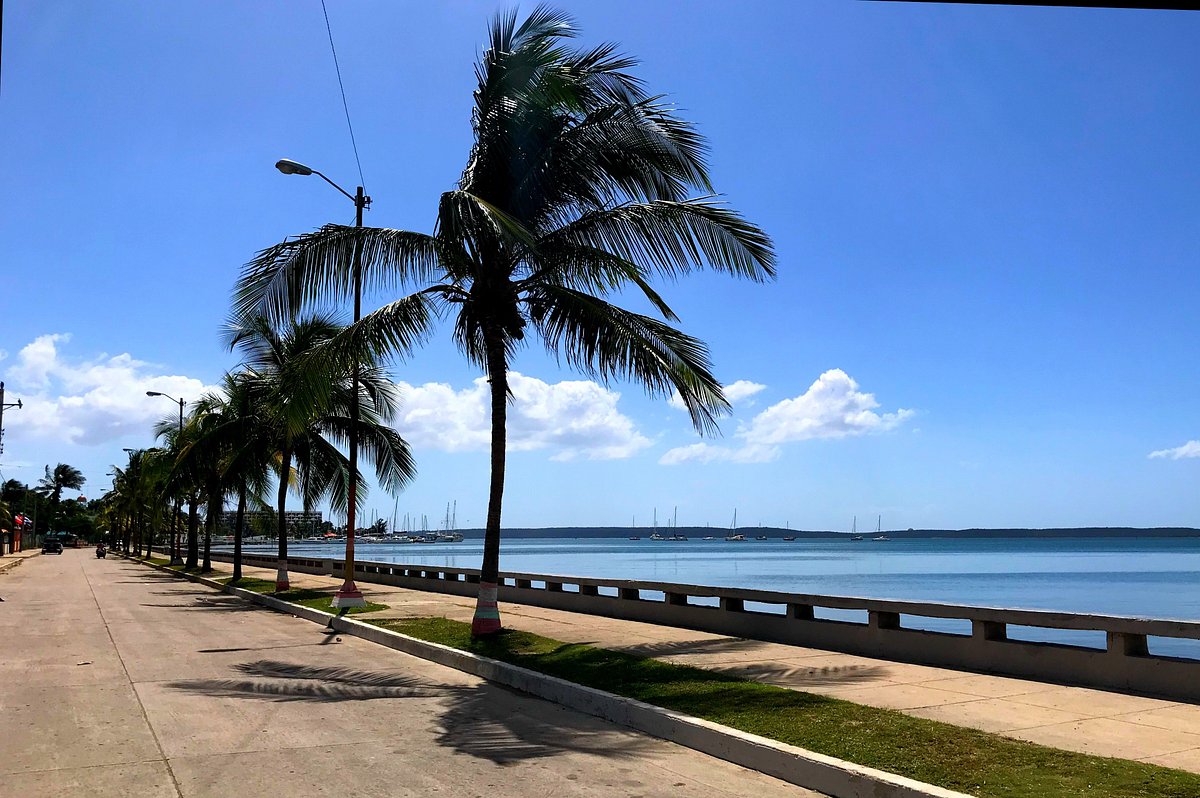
175	533
193	542
486	620
281	575
237	534
210	526
140	533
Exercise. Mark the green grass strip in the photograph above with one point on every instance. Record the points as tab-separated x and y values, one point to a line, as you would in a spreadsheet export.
313	599
967	760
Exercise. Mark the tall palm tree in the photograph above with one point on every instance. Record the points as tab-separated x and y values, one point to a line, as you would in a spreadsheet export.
52	485
578	186
305	403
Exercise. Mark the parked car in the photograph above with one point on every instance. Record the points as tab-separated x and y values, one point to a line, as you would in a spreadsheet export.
52	547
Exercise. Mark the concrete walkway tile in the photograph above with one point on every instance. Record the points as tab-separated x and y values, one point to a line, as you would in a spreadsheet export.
398	770
1181	717
102	781
906	673
995	715
899	696
80	725
1181	760
68	663
1091	703
1109	737
988	686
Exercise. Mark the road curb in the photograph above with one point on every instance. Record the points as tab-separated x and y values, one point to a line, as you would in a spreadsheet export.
792	764
10	564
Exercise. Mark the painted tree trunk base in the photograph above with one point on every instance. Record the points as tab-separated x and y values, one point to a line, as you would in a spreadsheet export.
487	612
281	579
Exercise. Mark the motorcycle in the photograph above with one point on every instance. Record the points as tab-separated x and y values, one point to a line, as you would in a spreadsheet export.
100	552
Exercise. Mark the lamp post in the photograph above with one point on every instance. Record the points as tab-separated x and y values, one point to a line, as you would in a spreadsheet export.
348	595
175	558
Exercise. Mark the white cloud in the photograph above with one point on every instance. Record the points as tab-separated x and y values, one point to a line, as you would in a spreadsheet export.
573	418
736	392
88	402
832	407
711	453
741	390
1189	449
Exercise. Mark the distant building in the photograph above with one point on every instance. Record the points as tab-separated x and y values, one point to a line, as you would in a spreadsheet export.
264	522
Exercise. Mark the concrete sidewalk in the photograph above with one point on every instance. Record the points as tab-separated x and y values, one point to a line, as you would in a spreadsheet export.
116	680
9	561
1073	718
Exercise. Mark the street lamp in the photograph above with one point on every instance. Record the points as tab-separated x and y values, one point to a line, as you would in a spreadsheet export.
348	595
175	558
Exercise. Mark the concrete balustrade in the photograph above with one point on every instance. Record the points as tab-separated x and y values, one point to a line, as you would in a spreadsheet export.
1125	663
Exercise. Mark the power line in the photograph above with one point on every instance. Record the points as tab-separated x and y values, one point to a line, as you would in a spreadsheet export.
345	105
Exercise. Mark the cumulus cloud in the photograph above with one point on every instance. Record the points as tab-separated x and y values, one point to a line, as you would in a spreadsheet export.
1189	449
832	407
736	392
573	418
88	402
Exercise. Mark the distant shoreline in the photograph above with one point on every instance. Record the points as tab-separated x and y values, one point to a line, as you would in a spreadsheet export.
774	532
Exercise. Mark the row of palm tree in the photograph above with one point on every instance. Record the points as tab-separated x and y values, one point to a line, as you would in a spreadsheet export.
278	421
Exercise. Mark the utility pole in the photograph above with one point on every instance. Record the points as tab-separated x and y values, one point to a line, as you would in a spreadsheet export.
17	404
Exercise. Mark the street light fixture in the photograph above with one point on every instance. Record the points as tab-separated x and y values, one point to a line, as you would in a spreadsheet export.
348	595
175	558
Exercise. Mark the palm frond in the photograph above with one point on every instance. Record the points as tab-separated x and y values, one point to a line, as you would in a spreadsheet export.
319	265
676	237
605	342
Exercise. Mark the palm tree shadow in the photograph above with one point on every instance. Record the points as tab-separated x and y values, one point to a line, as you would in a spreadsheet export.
483	720
795	676
798	677
493	723
713	645
209	605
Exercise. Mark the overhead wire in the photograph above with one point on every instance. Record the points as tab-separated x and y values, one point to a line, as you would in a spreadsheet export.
345	105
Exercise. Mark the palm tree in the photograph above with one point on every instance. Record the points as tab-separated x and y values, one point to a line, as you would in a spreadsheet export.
577	187
52	485
305	403
228	442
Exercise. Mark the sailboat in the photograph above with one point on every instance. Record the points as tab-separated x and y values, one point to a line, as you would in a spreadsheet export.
733	533
879	538
854	529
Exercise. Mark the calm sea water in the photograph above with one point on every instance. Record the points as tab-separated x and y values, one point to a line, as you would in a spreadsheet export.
1148	577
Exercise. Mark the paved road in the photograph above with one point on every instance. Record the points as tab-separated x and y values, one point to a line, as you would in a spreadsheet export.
116	680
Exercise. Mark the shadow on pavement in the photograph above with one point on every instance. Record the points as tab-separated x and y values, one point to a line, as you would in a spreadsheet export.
799	676
483	721
210	605
256	648
668	648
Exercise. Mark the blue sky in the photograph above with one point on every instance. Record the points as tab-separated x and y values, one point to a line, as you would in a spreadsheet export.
985	220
